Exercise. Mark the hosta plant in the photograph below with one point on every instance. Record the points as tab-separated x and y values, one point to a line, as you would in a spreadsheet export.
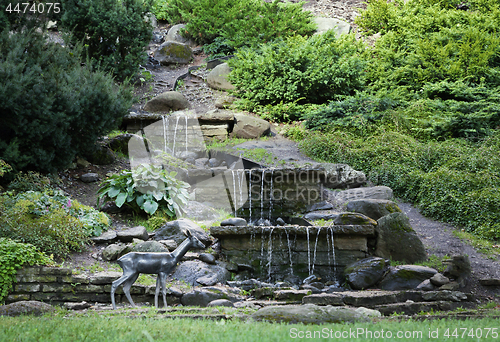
147	188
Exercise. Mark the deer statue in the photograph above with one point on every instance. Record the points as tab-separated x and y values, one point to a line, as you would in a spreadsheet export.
161	264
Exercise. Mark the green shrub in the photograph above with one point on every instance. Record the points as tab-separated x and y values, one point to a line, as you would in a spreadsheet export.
430	41
145	189
50	229
454	181
32	181
238	23
13	256
348	111
49	220
311	70
53	108
114	32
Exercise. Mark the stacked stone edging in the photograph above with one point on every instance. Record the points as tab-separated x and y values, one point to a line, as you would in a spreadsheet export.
57	285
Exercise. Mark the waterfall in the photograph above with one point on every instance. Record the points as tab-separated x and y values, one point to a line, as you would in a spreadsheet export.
308	252
186	132
250	195
164	120
241	178
333	254
261	246
175	135
235	200
262	195
315	247
270	254
271	196
289	252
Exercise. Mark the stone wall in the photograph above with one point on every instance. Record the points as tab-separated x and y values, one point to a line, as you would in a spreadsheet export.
275	253
57	285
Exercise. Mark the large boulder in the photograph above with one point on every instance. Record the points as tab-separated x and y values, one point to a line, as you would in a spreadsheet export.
406	277
217	78
315	314
166	102
174	35
397	240
250	127
174	230
31	307
173	53
197	273
324	24
365	273
373	208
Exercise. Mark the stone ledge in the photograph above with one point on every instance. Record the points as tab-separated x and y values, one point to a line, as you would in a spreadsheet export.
297	230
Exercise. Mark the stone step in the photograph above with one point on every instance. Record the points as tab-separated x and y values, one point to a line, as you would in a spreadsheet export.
372	299
412	308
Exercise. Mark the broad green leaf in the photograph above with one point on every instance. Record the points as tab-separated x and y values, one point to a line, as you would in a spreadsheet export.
150	207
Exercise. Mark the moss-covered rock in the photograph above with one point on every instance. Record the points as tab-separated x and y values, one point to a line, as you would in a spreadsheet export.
397	240
365	273
373	208
173	53
353	219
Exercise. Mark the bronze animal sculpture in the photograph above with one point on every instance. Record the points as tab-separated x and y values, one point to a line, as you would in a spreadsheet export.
162	264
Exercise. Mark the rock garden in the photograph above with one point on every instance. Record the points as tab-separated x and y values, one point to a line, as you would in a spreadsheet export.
300	194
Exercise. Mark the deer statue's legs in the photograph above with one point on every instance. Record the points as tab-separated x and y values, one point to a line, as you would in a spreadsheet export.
163	283
160	284
157	290
127	285
117	283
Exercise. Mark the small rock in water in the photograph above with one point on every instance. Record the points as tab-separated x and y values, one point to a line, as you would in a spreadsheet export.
214	162
310	279
263	222
280	222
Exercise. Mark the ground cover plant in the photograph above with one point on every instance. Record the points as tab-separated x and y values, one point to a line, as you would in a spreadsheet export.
225	25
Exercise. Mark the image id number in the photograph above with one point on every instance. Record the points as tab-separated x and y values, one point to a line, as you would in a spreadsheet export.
24	7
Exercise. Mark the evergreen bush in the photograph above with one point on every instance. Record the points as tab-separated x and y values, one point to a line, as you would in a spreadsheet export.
299	70
114	32
53	107
238	22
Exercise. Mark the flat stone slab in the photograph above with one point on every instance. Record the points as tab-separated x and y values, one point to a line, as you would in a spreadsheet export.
335	299
298	230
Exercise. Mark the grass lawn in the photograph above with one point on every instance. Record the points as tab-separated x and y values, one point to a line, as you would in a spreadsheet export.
104	328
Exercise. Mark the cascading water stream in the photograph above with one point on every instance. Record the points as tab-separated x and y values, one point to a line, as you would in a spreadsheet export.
235	200
164	120
250	194
186	133
333	253
262	195
308	252
315	248
289	251
271	196
270	254
175	135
